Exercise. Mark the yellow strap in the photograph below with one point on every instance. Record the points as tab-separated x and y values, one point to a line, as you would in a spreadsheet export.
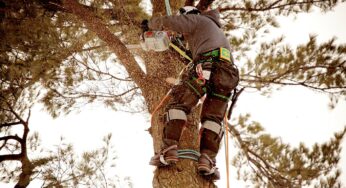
181	52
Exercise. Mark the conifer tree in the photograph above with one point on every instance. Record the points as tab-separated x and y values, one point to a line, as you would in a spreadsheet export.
91	63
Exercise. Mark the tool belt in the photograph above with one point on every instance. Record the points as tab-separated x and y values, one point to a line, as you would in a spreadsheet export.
222	54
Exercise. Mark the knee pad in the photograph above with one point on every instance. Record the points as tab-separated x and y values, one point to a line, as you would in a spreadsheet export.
175	121
211	135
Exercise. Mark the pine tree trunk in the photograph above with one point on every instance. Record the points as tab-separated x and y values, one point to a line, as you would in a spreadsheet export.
184	173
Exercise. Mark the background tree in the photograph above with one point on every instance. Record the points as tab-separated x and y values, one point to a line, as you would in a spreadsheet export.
33	48
95	65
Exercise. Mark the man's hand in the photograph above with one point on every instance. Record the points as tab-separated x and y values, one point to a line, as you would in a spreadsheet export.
144	25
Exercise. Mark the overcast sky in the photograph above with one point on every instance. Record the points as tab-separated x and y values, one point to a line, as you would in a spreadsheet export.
294	114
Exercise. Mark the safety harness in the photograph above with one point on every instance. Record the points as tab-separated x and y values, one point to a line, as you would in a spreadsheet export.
203	75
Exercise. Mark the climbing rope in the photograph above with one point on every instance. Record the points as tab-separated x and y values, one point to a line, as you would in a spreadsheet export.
226	150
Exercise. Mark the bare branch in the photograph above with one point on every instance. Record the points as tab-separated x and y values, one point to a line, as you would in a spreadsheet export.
15	113
99	71
10	157
104	95
9	124
6	138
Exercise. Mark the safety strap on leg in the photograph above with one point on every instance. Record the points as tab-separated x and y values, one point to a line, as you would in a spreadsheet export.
173	114
214	127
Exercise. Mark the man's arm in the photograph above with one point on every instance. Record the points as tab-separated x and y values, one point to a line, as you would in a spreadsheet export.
181	23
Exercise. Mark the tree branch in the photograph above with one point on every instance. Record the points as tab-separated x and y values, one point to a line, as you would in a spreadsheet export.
100	72
10	157
274	176
96	25
15	113
6	138
9	124
270	7
203	4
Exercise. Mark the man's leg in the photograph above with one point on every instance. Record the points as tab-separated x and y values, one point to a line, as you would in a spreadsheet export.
212	131
223	80
184	97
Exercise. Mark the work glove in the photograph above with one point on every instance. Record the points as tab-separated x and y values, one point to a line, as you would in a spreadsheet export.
144	25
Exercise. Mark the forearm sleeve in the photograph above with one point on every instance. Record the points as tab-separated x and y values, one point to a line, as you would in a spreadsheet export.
182	23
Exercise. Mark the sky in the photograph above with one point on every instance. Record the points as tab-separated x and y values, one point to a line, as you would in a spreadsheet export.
293	114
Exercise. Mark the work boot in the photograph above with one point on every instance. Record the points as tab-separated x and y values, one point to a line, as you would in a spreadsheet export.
166	157
207	167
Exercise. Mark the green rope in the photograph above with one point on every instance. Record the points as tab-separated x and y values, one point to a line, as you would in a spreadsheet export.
221	96
188	157
189	151
189	154
194	89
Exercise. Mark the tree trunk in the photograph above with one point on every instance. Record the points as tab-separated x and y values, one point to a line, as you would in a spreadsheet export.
184	173
25	175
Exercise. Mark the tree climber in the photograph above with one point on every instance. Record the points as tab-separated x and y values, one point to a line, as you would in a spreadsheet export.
213	73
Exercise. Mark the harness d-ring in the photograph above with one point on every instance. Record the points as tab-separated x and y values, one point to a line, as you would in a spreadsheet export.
199	71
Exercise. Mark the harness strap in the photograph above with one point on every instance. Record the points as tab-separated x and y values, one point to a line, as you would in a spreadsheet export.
220	53
162	154
213	126
212	170
181	52
173	114
220	96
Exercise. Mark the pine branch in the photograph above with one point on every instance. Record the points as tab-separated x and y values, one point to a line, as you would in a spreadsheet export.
96	25
326	89
77	95
272	173
99	71
270	7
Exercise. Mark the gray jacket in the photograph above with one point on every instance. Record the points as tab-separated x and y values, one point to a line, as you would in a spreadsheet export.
202	32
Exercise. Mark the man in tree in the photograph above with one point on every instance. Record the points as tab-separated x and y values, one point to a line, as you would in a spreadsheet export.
213	73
